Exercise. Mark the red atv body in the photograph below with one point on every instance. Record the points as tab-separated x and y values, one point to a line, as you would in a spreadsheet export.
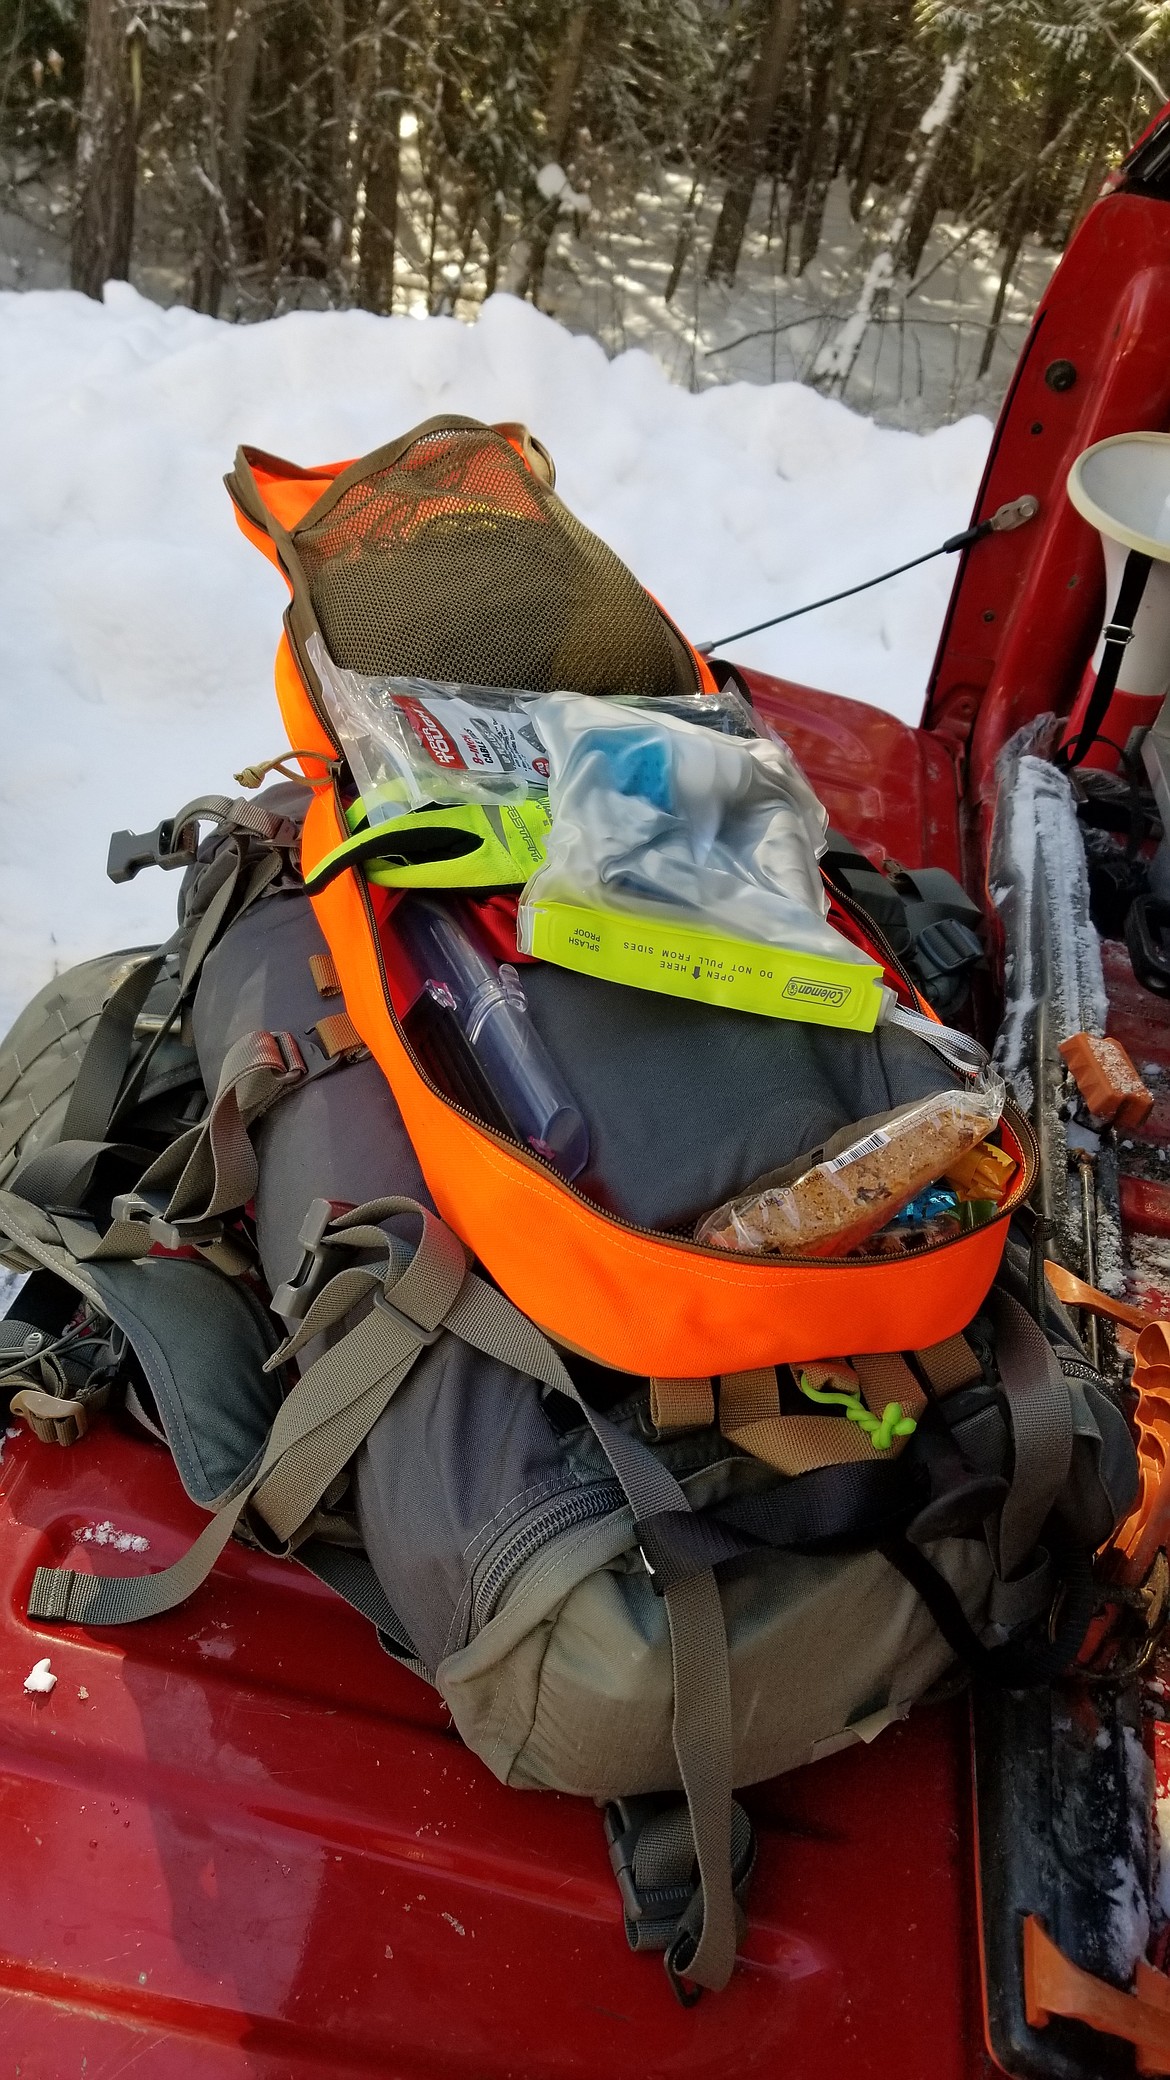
241	1840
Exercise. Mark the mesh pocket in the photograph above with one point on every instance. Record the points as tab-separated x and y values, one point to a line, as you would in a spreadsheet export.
454	562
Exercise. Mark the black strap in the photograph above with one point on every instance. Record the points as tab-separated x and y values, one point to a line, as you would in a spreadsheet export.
392	847
832	1509
1018	1665
1118	631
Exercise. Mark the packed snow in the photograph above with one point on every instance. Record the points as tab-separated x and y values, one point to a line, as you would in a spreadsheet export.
138	626
40	1680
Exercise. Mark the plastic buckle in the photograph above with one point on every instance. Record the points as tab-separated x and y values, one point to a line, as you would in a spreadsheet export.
164	847
49	1417
624	1820
947	947
293	1299
131	1206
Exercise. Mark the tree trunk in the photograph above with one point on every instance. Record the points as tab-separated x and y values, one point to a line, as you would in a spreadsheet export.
763	95
684	241
380	223
835	361
103	206
558	125
828	126
233	73
340	200
886	27
1011	254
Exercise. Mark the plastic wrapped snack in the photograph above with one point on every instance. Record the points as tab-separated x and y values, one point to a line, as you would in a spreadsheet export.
414	742
837	1203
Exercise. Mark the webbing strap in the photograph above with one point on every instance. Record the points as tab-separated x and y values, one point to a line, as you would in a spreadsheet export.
701	1726
652	1852
750	1417
829	1507
681	1404
215	916
61	1174
123	1238
701	1733
317	1430
1040	1413
950	1365
104	1063
31	1241
885	1377
349	1574
212	1169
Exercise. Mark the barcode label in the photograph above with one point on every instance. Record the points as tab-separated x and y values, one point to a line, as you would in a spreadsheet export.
854	1154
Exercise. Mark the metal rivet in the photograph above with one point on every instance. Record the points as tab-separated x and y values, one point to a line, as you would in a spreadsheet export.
1060	375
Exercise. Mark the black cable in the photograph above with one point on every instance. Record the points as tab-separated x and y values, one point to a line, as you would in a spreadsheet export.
947	548
1118	632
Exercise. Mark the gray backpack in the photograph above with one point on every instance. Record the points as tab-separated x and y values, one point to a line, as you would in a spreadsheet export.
647	1592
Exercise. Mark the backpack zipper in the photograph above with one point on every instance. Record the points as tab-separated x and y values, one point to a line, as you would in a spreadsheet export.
577	1506
1020	1126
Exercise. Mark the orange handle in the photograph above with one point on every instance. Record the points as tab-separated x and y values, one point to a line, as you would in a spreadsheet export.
1147	1527
1074	1292
1053	1985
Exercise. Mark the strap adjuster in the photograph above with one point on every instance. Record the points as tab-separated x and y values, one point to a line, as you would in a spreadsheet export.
295	1066
1117	632
293	1299
177	1235
407	1321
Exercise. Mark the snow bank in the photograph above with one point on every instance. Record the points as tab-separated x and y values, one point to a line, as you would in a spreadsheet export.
137	627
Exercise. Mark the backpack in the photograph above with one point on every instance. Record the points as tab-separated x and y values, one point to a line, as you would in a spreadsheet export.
633	1555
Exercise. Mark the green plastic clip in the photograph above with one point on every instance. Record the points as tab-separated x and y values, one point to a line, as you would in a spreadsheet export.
880	1430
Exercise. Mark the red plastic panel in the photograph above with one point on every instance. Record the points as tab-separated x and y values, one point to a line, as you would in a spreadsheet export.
889	788
1026	606
254	1847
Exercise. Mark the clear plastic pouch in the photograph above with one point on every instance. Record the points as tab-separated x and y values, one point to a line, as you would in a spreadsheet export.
412	743
418	743
840	1201
655	817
